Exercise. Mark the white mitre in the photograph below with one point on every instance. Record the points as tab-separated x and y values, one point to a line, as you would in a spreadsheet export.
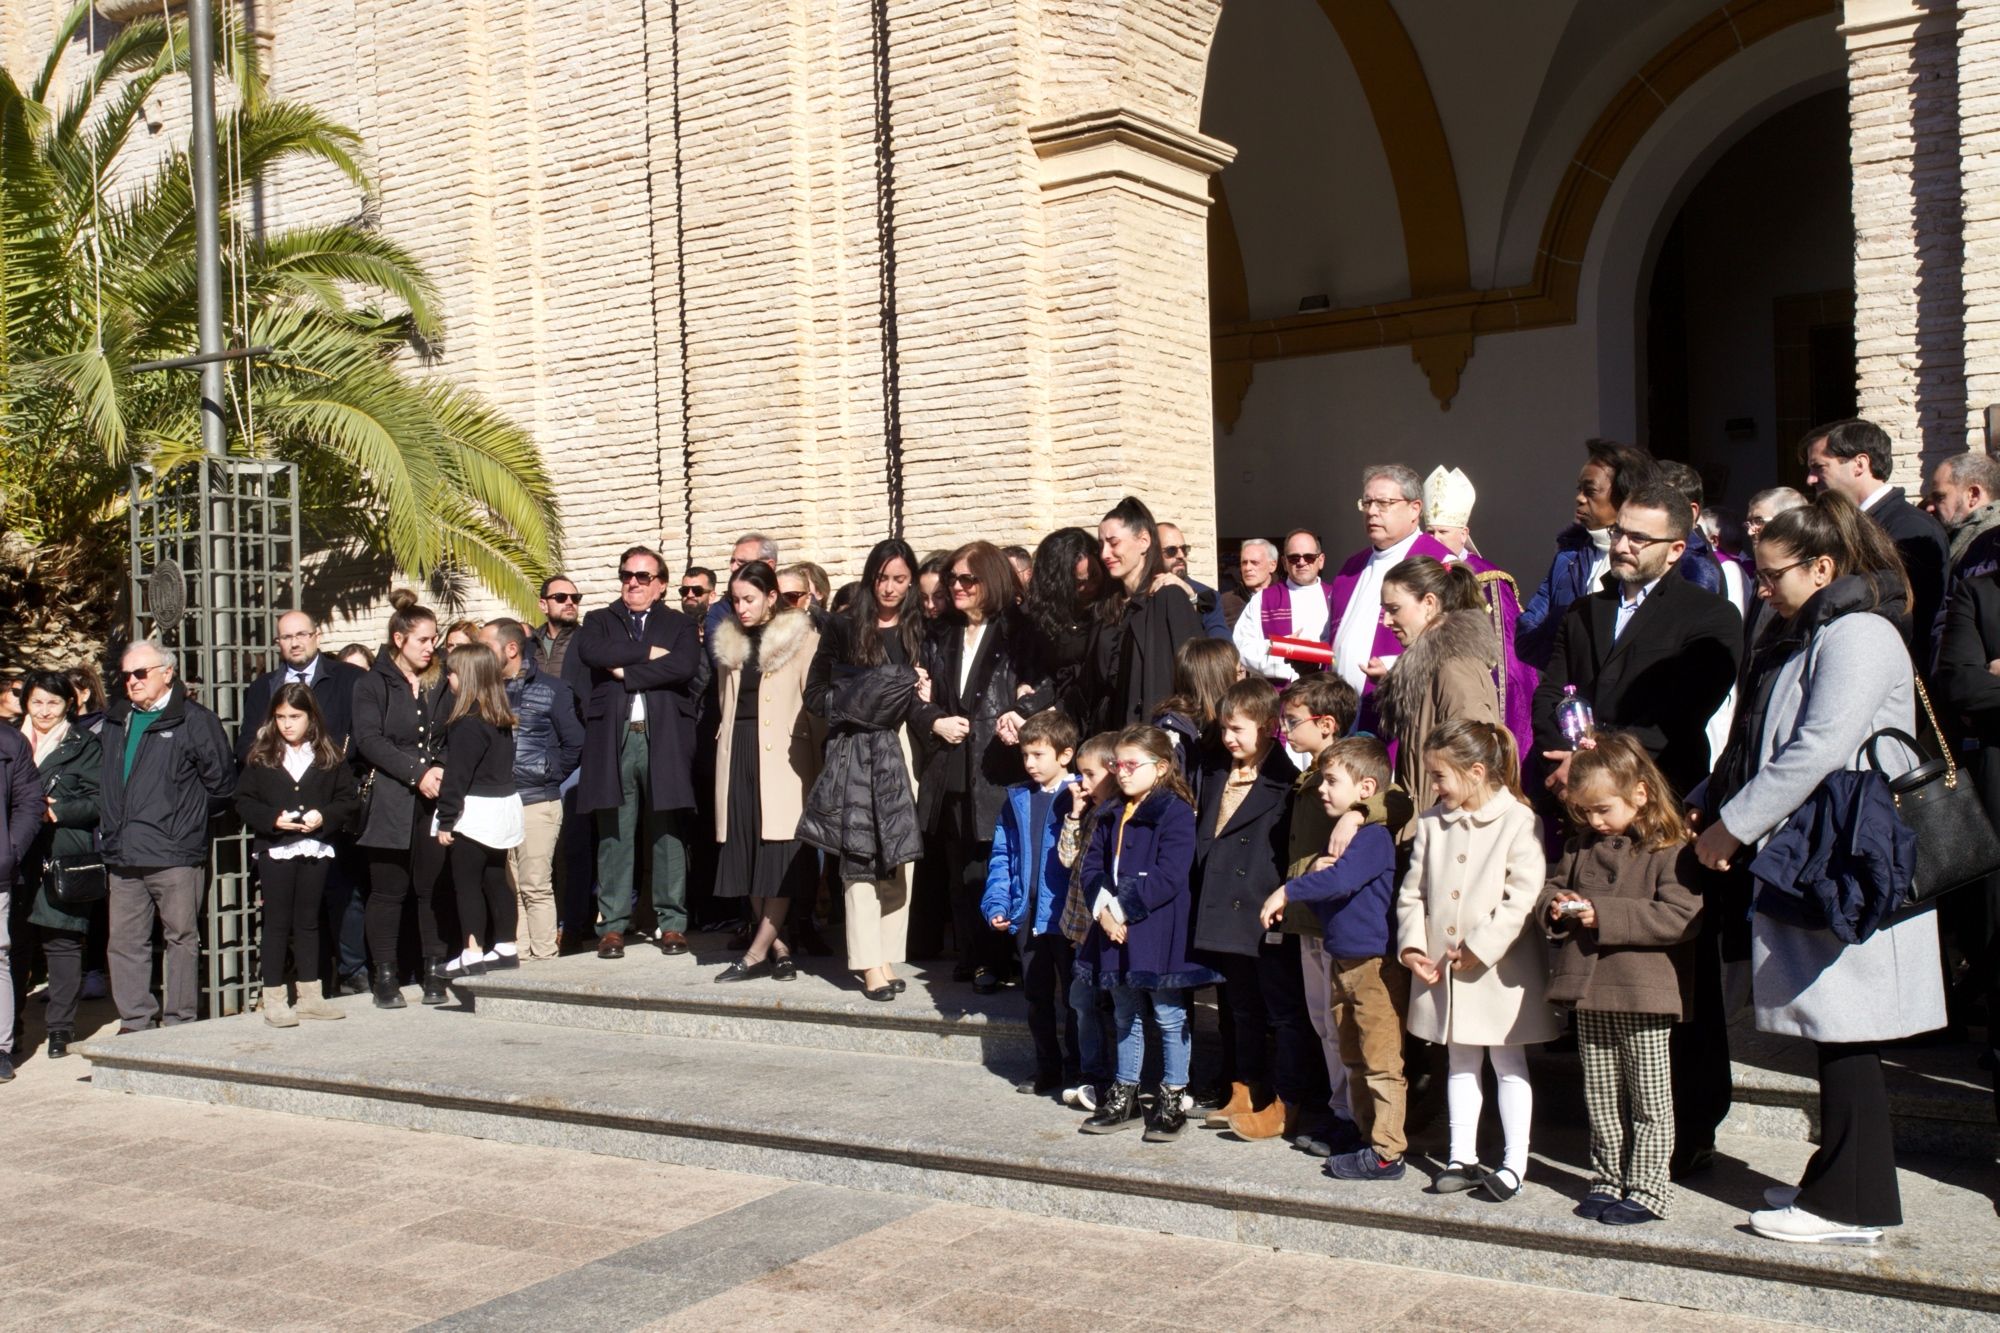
1448	498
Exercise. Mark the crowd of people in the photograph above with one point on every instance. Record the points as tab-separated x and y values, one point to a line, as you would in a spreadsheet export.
1395	813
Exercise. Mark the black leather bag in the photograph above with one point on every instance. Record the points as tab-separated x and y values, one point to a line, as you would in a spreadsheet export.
1956	843
76	881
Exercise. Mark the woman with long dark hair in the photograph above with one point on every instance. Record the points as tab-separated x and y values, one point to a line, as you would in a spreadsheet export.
1142	619
863	684
1060	608
1445	671
399	710
68	758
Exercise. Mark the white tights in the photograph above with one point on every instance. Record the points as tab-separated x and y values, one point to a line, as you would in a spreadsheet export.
1466	1100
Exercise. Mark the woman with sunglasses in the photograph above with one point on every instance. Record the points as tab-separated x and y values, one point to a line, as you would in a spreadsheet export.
767	756
979	660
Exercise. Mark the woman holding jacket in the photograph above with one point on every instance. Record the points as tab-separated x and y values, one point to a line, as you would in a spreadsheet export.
863	686
1445	671
1144	615
400	707
68	758
1830	673
767	756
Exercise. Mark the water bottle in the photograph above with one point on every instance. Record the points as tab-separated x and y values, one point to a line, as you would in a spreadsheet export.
1573	717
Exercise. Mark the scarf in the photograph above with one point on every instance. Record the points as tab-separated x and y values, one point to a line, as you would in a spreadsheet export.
1976	523
45	745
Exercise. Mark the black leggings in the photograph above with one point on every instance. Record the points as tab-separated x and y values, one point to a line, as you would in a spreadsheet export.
485	898
395	874
292	891
64	951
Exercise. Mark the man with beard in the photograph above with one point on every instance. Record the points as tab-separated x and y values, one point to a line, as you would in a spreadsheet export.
562	611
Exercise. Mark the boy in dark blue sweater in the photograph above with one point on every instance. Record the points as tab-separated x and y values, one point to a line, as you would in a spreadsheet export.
1355	897
1026	885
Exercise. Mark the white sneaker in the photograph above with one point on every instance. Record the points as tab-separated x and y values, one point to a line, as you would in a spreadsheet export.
1187	1103
1069	1096
1781	1196
1796	1224
1086	1098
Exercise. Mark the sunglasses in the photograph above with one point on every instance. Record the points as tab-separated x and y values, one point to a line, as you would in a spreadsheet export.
965	580
1176	552
693	592
639	576
564	597
1298	559
140	674
793	598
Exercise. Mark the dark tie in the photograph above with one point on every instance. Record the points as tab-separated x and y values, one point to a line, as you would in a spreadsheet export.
298	676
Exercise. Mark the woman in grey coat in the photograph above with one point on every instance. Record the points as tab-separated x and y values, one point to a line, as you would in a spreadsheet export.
1829	674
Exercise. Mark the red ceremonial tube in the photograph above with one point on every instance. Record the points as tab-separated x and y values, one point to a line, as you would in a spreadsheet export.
1303	650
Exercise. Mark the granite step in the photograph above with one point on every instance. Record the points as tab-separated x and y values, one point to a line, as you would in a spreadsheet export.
1941	1101
954	1129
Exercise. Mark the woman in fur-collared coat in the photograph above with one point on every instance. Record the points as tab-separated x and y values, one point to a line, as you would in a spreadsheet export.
1445	672
767	757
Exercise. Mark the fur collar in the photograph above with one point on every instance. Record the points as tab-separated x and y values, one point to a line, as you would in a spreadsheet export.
1408	684
784	637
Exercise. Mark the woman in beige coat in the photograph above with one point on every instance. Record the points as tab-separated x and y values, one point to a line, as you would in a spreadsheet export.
1479	971
766	758
1445	671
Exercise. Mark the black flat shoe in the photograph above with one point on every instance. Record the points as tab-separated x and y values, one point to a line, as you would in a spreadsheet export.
1500	1186
505	962
880	993
1459	1177
785	969
746	972
58	1044
898	985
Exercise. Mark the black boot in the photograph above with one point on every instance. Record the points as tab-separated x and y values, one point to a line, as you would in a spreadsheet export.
1119	1110
388	995
1167	1119
59	1039
436	984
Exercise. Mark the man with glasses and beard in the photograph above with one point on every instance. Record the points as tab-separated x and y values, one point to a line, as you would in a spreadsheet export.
562	608
697	593
635	665
1175	549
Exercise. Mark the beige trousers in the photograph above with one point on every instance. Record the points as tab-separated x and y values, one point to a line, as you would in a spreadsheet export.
532	868
878	920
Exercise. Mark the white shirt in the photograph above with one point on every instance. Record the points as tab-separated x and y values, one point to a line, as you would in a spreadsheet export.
1626	610
1308	622
304	675
299	758
1354	644
638	713
1880	491
974	636
1600	562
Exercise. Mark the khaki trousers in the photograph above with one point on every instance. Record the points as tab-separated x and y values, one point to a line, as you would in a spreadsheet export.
1371	997
531	867
878	920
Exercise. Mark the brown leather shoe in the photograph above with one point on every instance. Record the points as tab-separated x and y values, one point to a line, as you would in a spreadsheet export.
673	942
1238	1104
1260	1124
610	945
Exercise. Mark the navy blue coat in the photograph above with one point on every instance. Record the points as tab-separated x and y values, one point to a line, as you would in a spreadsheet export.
1843	862
605	642
1238	866
1152	889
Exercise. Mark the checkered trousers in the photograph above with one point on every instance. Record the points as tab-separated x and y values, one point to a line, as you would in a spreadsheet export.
1629	1090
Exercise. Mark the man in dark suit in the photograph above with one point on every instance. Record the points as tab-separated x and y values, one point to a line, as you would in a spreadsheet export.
1651	655
634	665
343	905
1854	458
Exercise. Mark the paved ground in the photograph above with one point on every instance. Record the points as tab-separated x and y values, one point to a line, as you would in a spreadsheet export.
137	1213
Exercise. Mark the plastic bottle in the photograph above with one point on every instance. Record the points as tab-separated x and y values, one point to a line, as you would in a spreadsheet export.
1573	717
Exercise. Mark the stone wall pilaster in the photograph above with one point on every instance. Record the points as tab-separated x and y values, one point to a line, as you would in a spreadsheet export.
1979	166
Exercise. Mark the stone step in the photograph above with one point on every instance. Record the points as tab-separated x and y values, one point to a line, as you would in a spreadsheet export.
1941	1101
953	1129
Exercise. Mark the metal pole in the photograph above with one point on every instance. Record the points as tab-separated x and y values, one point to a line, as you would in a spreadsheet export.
207	226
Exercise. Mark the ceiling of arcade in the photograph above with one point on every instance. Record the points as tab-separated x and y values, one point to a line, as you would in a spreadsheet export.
1432	168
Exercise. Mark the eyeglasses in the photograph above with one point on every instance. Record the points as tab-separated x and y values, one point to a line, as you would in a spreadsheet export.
965	580
1291	724
1367	506
140	674
693	592
1176	552
1768	578
564	597
1639	541
793	598
1130	766
1302	558
641	577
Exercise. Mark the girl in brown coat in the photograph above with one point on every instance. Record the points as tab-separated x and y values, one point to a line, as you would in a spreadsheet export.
1621	918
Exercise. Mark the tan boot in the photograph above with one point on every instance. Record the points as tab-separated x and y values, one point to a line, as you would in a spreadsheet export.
1260	1124
1238	1104
277	1012
313	1003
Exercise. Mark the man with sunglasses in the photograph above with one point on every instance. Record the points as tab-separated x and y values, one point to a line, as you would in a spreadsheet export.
635	665
562	609
1174	549
697	593
167	768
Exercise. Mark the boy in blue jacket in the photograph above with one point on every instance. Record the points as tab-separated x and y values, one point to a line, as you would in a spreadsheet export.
1355	897
1026	884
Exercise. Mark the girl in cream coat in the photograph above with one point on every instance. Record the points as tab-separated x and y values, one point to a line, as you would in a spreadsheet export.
1479	972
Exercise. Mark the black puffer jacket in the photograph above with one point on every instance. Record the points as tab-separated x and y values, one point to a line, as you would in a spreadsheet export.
862	808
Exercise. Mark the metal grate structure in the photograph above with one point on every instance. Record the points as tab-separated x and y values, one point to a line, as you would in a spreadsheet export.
215	561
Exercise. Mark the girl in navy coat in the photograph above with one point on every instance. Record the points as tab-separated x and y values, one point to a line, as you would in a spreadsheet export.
1135	874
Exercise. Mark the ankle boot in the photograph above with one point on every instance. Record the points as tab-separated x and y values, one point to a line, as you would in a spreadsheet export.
277	1012
1238	1104
1119	1110
1266	1123
436	984
312	1003
388	995
1167	1119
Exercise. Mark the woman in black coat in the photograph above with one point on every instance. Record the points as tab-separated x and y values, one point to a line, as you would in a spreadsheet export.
296	794
400	707
69	760
978	660
1144	616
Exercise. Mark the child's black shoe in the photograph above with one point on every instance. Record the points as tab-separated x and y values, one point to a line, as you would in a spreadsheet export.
1040	1085
1119	1110
1459	1177
1168	1117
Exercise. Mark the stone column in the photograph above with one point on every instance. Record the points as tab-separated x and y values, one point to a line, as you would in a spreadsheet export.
1125	199
1909	300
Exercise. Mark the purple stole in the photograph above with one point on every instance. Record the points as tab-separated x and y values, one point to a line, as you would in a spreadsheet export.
1386	642
1515	680
1274	610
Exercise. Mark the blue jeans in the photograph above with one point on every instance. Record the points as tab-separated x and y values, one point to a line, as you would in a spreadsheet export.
1170	1011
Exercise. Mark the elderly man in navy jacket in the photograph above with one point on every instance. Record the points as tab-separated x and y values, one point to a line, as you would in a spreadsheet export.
634	664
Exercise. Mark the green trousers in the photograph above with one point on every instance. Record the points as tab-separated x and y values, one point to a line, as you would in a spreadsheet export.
618	838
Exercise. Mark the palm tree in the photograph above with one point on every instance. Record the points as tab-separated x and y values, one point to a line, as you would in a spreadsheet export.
399	471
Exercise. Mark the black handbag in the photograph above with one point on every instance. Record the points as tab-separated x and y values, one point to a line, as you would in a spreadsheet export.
1956	844
76	881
